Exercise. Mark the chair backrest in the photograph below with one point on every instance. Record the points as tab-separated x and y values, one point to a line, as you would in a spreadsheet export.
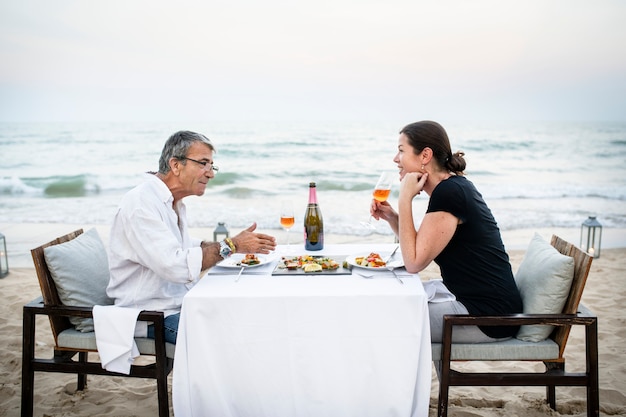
46	283
582	265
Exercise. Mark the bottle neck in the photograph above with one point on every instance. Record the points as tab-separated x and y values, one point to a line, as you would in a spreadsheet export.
312	195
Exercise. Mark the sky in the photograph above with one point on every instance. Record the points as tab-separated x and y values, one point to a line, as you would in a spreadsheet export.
239	60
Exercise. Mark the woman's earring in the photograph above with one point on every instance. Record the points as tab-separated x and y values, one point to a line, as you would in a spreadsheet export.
422	167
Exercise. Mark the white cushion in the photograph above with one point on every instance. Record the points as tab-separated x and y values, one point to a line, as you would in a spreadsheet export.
80	270
544	279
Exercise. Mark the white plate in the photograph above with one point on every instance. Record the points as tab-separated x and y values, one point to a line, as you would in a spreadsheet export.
233	261
393	263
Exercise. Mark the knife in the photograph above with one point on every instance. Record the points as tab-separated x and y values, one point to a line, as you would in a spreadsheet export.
239	274
392	253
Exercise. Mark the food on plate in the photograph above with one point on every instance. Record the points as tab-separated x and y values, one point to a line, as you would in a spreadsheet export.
373	260
249	260
313	267
292	264
324	263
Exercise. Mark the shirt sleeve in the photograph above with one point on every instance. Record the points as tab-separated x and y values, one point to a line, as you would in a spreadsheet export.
448	196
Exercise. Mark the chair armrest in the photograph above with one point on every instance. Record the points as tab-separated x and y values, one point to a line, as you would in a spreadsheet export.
30	310
585	318
35	307
518	319
38	307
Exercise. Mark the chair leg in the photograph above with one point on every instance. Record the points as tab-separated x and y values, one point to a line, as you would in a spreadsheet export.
164	406
444	374
593	389
442	408
81	383
551	389
162	367
444	389
161	380
28	354
551	396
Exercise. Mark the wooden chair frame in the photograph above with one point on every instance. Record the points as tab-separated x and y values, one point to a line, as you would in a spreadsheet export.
555	375
63	359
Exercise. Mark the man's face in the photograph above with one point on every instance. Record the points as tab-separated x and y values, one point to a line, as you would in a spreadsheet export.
194	176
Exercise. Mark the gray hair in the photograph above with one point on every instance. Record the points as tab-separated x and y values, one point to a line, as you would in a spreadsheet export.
177	146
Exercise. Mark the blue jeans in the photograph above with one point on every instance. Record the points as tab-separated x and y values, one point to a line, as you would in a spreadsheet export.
171	328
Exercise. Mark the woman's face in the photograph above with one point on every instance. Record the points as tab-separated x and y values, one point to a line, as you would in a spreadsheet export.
405	159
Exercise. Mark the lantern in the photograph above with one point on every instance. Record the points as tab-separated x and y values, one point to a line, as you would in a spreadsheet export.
220	231
590	236
4	258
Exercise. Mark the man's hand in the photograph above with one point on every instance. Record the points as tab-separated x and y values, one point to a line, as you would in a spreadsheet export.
249	242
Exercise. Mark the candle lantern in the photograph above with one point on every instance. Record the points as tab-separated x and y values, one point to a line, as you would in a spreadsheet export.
590	236
220	232
4	258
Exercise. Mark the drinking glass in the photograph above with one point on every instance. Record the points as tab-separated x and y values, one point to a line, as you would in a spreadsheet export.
287	217
381	192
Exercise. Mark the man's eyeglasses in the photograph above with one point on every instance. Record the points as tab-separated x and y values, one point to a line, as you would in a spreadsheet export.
206	164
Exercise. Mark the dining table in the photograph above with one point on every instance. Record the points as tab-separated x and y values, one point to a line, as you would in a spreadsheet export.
263	341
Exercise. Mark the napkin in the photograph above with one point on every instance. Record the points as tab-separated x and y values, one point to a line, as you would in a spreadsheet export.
437	291
115	336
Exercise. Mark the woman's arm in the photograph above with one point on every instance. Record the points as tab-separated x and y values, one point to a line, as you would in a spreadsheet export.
420	247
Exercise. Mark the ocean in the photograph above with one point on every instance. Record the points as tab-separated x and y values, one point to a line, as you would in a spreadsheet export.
532	175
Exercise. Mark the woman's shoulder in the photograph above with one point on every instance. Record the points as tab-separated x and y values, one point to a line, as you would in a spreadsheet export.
452	184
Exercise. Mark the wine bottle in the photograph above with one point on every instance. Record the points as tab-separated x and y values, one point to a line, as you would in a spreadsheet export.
313	223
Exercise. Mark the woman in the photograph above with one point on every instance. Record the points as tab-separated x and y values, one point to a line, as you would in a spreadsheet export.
458	232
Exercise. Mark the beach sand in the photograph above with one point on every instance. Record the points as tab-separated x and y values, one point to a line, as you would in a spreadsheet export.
605	294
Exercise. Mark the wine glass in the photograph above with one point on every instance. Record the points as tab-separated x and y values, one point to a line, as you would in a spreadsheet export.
381	192
287	217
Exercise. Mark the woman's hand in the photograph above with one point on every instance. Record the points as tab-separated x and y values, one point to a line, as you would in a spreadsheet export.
412	184
382	210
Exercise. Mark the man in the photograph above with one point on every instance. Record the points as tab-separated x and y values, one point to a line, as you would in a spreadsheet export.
152	258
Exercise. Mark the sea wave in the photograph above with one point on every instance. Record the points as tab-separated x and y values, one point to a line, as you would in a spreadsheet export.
515	193
225	178
344	186
243	192
15	186
531	175
53	186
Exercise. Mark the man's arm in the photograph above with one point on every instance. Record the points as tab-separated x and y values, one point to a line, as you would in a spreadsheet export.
210	254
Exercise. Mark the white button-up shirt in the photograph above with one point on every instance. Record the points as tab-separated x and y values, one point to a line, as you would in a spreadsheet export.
152	258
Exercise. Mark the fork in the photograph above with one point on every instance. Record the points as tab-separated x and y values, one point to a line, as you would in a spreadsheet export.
361	274
391	268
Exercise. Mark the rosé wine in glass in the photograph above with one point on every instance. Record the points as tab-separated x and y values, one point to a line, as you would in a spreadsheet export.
381	192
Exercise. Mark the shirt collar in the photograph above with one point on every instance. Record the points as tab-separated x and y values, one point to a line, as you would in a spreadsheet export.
160	188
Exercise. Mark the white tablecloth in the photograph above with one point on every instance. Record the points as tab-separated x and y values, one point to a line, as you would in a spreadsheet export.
304	346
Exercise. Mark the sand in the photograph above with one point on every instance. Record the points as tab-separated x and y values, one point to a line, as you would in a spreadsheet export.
605	294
